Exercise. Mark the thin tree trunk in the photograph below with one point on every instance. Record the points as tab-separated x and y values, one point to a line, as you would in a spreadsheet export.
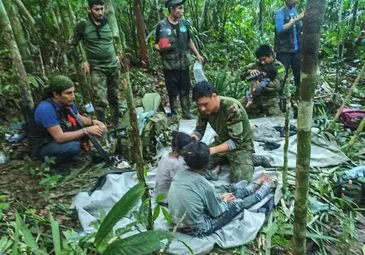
286	133
261	10
6	32
17	29
313	19
112	20
25	12
347	99
141	34
354	14
339	44
66	18
136	139
204	16
353	139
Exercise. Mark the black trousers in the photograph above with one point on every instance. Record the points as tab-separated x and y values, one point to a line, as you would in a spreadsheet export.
177	82
291	60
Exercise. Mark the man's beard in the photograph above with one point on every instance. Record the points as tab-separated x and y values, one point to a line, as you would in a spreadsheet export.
99	18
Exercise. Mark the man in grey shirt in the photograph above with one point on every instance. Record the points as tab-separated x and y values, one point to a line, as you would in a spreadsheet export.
205	210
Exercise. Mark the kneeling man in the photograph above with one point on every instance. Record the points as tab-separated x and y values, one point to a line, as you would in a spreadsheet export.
54	131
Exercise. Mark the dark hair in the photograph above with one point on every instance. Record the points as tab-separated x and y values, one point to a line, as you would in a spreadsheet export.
179	141
271	71
264	50
203	89
95	2
196	155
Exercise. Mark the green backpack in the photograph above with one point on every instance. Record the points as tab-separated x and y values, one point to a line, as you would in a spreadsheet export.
155	135
352	185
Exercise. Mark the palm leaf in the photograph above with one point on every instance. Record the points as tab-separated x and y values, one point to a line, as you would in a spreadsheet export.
139	244
119	210
55	235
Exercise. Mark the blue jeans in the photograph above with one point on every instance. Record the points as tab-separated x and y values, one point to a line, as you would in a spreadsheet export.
246	198
63	152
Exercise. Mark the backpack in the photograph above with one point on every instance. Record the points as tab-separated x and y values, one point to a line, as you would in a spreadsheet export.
155	135
352	118
352	185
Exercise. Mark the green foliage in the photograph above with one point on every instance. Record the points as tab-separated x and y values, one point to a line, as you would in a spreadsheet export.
141	243
119	210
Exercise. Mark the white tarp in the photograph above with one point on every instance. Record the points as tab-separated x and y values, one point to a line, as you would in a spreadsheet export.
324	153
244	227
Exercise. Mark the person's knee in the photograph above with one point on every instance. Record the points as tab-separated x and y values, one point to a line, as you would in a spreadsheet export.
242	171
73	149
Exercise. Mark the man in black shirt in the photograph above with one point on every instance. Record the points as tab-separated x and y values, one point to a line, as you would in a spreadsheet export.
173	41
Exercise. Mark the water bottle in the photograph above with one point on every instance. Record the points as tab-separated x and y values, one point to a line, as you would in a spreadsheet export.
198	72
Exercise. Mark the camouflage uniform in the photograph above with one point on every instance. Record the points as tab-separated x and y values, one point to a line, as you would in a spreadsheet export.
267	103
104	67
232	127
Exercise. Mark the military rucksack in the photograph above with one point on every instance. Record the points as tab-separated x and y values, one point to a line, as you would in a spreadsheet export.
155	135
352	185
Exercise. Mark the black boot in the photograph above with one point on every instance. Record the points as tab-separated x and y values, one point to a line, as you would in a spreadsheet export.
185	107
173	107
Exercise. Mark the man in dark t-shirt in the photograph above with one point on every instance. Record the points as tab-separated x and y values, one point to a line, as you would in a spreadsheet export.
54	131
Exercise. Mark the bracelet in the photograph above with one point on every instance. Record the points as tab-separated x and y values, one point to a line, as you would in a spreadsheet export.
84	131
92	122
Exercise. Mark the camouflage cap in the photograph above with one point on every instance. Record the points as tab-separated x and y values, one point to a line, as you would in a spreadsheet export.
59	83
170	3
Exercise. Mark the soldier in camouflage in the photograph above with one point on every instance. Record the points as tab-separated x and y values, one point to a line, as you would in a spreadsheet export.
263	97
102	63
233	143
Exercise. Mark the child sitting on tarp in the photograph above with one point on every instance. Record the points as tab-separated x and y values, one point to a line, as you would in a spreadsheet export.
192	194
171	163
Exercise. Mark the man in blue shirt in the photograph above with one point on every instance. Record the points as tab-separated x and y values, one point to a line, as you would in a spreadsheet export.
54	131
288	27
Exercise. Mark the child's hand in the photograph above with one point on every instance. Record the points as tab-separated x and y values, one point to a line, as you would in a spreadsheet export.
227	197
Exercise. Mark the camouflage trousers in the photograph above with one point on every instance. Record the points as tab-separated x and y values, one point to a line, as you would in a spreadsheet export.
240	162
259	109
105	91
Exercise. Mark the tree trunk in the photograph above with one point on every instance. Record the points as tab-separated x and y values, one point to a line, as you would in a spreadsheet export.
313	19
26	100
18	31
141	34
204	16
339	45
354	14
118	36
66	18
136	139
26	13
261	10
286	135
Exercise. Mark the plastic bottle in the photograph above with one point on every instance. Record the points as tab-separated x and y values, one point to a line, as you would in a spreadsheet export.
198	72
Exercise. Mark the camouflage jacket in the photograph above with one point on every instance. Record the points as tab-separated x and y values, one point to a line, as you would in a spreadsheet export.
230	123
272	90
98	44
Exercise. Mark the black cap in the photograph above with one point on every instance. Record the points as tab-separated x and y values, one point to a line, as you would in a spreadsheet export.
171	3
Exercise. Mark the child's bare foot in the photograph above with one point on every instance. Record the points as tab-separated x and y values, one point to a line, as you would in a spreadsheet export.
262	179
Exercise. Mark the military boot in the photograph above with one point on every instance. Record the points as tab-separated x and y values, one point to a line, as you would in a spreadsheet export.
173	107
185	107
258	160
